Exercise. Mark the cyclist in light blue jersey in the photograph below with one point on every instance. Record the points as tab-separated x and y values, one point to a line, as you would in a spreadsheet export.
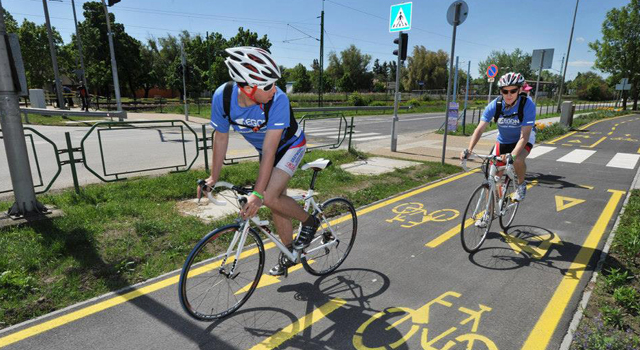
515	114
257	109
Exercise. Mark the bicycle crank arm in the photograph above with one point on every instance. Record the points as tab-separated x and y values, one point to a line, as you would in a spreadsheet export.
326	245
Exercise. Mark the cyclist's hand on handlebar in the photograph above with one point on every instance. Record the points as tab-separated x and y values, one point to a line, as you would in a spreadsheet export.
209	186
251	208
464	154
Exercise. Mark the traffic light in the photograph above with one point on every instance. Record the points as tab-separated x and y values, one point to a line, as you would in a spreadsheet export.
112	2
402	42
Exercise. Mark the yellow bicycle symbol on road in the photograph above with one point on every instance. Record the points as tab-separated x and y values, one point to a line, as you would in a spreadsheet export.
420	318
415	209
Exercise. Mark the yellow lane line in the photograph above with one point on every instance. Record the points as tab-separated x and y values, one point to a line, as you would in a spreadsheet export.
597	142
582	128
114	301
638	150
300	325
543	331
456	229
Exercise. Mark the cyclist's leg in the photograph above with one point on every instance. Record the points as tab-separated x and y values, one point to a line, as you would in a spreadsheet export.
519	163
275	198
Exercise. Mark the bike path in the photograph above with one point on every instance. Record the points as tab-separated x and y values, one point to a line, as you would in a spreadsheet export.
513	293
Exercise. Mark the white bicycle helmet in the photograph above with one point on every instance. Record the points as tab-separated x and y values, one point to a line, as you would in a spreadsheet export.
252	65
511	79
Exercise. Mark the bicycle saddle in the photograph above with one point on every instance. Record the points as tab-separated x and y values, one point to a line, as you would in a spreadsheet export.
317	164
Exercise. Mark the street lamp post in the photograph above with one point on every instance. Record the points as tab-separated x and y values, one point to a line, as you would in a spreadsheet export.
566	62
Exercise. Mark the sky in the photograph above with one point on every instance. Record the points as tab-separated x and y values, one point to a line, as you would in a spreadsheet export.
294	25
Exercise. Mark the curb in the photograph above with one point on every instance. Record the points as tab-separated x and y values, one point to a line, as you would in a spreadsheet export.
579	313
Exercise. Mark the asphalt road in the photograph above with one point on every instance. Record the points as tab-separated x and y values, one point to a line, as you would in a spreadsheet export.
407	284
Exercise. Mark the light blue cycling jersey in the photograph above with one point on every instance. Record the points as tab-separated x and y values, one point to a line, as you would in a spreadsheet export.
279	118
508	124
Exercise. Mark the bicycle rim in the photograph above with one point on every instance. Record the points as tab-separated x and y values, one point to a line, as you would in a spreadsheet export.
509	207
473	235
339	226
206	289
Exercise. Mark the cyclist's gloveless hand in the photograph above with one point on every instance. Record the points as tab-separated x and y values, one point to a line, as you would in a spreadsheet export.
251	208
210	184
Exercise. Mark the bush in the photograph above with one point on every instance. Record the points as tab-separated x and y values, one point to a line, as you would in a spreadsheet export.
425	97
627	297
379	87
357	99
414	103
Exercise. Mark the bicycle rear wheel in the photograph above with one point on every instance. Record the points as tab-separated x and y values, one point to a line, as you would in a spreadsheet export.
509	207
477	218
207	288
339	225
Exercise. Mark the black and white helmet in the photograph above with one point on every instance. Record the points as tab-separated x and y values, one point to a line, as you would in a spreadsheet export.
252	66
511	79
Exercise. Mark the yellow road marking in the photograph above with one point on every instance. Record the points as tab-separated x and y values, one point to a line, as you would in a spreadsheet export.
535	252
98	307
267	280
575	141
582	128
300	325
563	203
597	142
543	331
561	137
456	229
586	186
638	150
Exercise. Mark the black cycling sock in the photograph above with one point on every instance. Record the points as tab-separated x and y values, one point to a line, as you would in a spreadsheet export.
311	220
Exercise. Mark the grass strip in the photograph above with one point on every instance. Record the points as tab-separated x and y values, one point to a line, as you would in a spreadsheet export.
611	319
117	234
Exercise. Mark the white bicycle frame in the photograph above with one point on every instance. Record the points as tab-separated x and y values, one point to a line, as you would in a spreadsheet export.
240	236
492	180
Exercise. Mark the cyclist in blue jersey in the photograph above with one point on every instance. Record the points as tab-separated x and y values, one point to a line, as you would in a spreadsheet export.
515	115
257	109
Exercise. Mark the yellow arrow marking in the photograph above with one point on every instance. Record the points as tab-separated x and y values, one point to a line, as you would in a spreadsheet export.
300	325
598	142
563	203
584	136
267	280
536	252
575	141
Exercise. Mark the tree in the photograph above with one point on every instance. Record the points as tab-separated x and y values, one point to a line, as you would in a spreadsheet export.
517	61
327	82
301	78
36	54
590	86
11	25
619	51
353	62
428	67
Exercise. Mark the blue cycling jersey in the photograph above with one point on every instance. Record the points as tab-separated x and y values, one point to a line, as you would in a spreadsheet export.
279	118
509	124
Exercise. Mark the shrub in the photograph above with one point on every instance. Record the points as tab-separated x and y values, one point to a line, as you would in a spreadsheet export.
627	297
615	278
357	99
414	103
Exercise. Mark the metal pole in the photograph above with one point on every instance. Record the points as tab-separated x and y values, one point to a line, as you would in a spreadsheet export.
394	132
453	49
535	98
321	62
13	135
54	58
114	67
455	82
489	96
566	63
184	82
466	98
79	41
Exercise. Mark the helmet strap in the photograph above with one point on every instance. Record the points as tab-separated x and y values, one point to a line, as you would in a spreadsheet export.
251	95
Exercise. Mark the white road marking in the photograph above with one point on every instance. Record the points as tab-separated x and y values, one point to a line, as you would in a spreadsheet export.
576	156
624	160
537	151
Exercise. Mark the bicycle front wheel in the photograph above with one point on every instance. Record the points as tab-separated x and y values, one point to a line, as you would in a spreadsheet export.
212	286
477	218
334	239
508	207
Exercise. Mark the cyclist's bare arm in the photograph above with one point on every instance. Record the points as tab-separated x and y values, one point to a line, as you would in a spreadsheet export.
475	137
220	144
525	131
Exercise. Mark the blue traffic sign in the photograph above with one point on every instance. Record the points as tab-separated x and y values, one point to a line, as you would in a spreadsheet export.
492	71
400	18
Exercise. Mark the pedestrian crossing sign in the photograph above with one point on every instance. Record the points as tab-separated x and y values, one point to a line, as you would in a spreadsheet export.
400	18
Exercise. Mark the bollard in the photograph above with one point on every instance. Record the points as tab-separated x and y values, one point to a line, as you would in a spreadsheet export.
72	163
566	113
350	132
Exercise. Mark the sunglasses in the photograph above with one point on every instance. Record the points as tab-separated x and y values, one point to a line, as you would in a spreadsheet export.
267	87
509	92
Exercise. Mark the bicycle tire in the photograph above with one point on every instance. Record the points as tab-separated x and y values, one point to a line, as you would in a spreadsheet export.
339	220
473	237
200	268
509	207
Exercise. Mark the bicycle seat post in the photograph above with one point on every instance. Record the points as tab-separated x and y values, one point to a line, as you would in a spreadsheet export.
313	179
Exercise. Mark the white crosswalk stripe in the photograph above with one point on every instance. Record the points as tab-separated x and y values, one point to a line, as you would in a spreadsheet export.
537	151
624	160
370	138
576	156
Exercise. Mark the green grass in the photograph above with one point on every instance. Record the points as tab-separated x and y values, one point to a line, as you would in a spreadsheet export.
58	120
612	319
116	234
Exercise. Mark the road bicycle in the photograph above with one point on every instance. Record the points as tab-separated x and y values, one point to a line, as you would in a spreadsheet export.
480	211
225	267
